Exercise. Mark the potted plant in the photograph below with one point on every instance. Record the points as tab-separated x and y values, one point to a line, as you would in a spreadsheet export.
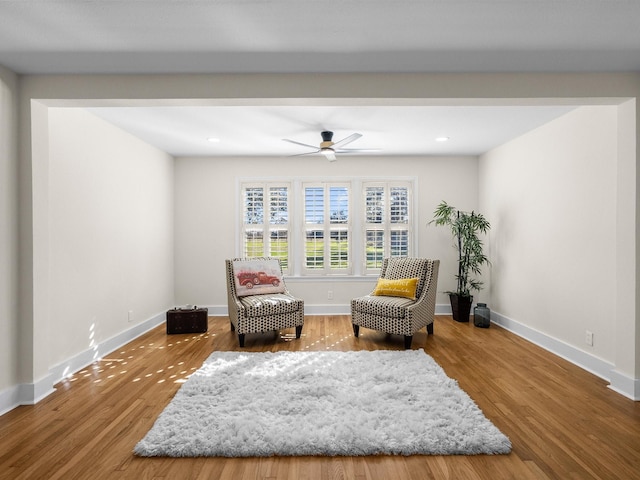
465	228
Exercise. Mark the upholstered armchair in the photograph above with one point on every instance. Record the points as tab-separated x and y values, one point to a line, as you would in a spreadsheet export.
258	298
403	301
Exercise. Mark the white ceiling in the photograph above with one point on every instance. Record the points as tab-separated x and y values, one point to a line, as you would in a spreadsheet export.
394	130
250	36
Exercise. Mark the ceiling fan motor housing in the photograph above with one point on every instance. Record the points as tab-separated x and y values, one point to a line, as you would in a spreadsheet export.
326	136
326	139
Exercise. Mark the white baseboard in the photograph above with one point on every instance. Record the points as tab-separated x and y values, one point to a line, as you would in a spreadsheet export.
624	385
327	309
217	310
10	399
443	309
620	383
32	393
25	394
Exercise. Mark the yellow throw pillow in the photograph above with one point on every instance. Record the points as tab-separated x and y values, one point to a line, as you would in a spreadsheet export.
403	287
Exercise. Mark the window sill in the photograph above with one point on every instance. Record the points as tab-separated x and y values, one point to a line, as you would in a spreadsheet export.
331	278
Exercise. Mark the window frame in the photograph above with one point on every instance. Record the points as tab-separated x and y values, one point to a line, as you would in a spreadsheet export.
328	227
386	227
356	218
266	227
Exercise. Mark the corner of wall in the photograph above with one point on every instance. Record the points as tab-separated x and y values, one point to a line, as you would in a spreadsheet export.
9	230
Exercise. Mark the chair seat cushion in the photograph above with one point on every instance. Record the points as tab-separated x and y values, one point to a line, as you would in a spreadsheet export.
383	306
271	304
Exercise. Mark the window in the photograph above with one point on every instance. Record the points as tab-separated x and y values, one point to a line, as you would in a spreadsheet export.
386	222
326	228
320	228
265	226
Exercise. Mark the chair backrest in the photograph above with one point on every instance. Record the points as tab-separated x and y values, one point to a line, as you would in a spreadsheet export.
231	284
395	268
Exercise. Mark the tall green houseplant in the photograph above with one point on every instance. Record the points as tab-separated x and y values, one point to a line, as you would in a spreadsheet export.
465	228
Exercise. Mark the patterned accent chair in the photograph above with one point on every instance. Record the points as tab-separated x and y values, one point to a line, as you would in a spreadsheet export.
259	313
396	314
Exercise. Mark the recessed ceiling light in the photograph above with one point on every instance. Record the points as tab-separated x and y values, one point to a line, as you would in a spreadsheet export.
442	139
213	139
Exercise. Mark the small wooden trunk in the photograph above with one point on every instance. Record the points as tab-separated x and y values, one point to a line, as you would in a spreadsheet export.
187	321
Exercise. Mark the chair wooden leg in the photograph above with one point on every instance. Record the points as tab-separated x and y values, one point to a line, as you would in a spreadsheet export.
407	341
356	329
298	331
233	329
430	329
241	339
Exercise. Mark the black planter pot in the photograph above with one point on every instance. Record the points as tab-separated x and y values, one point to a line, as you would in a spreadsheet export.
460	307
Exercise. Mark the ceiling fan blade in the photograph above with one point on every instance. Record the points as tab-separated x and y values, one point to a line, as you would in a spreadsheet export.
358	150
315	147
315	152
347	140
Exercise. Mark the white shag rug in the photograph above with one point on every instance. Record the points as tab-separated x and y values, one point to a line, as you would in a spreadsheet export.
321	403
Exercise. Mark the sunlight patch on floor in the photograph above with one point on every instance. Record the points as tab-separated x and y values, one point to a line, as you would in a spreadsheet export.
119	359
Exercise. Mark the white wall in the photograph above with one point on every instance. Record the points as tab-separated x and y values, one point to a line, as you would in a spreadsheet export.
551	197
9	341
207	217
110	237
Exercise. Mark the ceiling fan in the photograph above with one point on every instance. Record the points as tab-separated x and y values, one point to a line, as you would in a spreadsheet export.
328	148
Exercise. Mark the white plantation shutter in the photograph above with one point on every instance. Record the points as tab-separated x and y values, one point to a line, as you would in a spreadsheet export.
326	228
387	224
399	221
322	234
265	226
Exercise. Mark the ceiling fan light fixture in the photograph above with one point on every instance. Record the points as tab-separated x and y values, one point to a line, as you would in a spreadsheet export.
329	153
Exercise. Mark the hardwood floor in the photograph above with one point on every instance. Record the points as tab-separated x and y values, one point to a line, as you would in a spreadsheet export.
563	422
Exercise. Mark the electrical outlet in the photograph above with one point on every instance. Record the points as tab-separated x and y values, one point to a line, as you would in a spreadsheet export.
130	316
589	338
329	294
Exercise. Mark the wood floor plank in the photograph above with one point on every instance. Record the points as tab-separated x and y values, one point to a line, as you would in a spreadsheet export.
563	422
